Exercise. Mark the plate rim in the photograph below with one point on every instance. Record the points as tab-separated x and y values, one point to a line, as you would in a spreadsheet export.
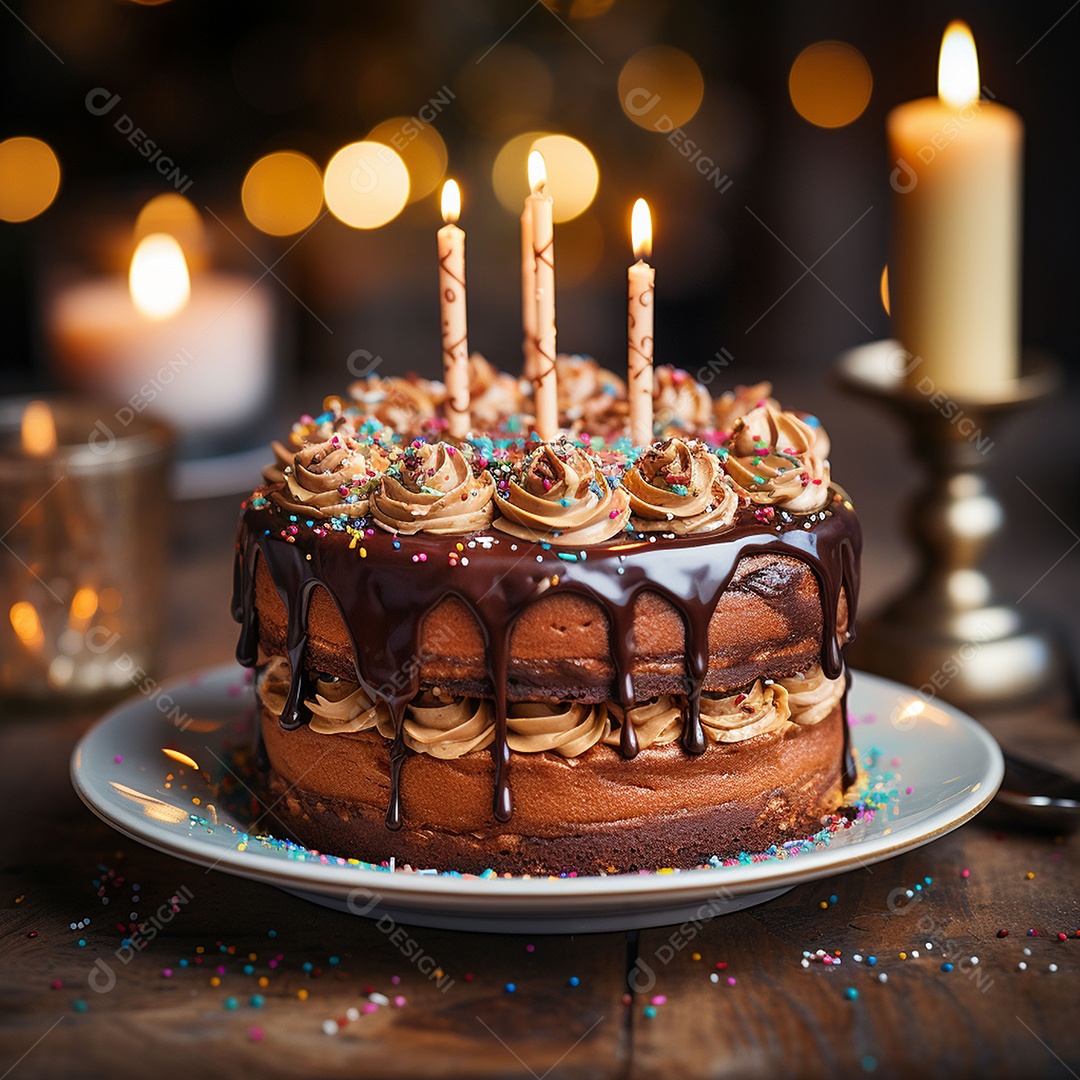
404	887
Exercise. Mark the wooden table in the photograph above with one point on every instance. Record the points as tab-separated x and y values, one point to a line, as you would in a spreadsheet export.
778	1018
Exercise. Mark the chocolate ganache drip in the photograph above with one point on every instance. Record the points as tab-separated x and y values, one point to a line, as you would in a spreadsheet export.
384	598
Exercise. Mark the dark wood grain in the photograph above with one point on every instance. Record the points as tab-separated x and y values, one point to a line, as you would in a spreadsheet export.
778	1019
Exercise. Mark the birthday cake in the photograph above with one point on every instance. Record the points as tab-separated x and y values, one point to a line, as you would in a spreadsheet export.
569	654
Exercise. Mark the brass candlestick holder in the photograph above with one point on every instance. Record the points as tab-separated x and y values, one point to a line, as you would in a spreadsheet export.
951	633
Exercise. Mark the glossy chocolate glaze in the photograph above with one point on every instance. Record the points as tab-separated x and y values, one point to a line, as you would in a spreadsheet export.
384	597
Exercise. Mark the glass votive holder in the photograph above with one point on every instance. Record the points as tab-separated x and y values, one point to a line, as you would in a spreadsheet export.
84	506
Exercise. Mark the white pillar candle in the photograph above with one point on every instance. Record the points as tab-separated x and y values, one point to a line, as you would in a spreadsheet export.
954	272
545	388
197	352
455	343
642	279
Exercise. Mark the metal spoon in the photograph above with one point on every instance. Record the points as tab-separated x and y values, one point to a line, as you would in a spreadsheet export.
1039	795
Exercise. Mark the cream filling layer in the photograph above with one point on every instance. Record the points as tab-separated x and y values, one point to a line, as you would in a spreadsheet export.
448	727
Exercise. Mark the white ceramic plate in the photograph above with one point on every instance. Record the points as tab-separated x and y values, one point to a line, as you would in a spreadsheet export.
930	767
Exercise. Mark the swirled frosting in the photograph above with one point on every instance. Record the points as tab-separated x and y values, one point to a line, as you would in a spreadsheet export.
775	458
494	396
736	717
812	696
432	488
339	706
587	391
326	479
560	495
734	404
402	404
272	684
568	728
679	486
446	727
656	722
681	405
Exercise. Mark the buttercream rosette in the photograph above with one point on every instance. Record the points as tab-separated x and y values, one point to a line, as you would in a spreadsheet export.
403	404
681	404
776	458
494	396
445	727
812	696
656	722
587	391
559	495
729	718
568	728
432	488
325	479
733	405
679	486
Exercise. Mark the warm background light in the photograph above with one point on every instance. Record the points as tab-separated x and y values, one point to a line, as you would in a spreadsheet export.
177	216
661	81
366	185
38	429
573	176
830	84
885	289
420	146
27	625
29	178
282	193
451	201
641	229
958	66
159	281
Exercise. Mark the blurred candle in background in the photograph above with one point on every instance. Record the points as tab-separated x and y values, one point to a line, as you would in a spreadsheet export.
84	516
642	278
540	210
954	271
455	344
194	348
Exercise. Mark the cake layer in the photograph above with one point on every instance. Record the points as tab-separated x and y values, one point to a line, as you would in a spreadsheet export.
767	622
593	813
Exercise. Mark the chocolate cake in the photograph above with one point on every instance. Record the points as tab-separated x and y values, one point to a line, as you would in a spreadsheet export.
544	657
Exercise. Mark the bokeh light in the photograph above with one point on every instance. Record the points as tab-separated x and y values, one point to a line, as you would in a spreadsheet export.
173	214
885	290
421	148
573	176
282	193
366	184
661	87
830	84
510	91
29	178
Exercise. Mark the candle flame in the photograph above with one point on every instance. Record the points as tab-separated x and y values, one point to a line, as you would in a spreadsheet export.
159	281
38	429
958	67
451	202
641	229
537	172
